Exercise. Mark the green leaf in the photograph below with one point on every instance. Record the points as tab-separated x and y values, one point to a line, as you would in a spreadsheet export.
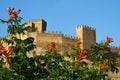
30	47
28	40
3	21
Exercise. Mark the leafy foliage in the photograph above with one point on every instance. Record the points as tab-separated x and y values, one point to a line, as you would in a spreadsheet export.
81	65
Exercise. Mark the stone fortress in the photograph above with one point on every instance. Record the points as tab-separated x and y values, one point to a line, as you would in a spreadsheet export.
85	34
64	43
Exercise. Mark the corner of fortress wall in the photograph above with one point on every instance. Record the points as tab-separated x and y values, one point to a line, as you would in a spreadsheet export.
85	27
87	35
40	24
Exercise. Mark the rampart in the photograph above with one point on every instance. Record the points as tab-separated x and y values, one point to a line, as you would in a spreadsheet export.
115	49
87	35
63	43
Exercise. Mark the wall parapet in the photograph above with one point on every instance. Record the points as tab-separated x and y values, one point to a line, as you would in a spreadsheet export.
35	20
69	36
114	47
85	27
53	33
59	33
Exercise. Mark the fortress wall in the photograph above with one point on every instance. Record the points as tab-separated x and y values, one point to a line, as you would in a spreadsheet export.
114	49
40	24
26	35
88	37
68	43
51	37
44	38
63	42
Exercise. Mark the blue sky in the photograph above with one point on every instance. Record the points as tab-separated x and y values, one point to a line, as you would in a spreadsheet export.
65	15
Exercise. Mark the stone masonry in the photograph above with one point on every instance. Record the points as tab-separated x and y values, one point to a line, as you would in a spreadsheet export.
64	43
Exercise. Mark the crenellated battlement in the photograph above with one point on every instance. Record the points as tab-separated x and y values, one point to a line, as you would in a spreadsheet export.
52	33
55	33
69	36
87	35
114	49
40	24
35	20
85	27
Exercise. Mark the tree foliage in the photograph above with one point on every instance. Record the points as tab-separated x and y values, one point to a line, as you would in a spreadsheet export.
90	64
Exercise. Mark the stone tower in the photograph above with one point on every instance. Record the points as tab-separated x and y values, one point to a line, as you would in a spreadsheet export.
87	35
40	24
